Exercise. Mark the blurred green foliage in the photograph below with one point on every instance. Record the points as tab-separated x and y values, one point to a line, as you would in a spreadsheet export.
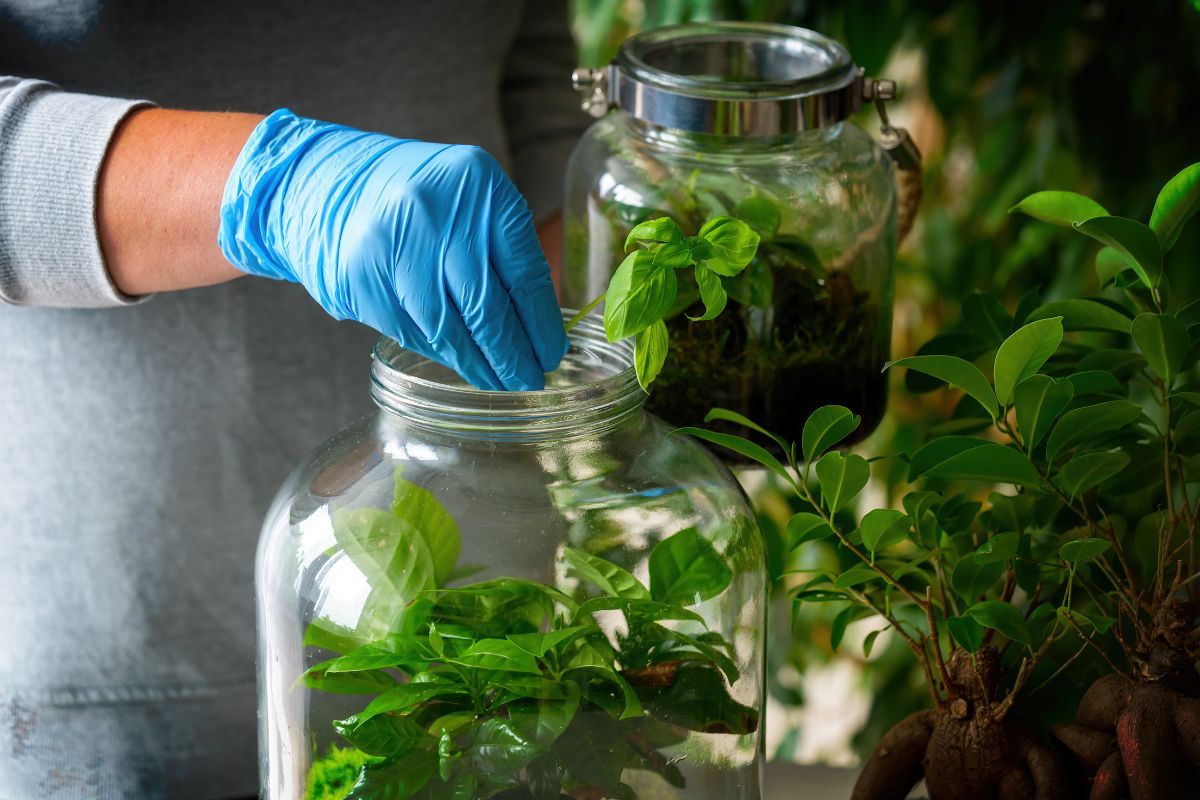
1004	98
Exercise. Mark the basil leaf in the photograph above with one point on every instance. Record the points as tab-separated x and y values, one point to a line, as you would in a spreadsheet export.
650	352
638	295
662	229
733	242
712	292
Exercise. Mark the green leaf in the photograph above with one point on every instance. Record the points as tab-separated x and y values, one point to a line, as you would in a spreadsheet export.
699	700
1080	425
734	244
418	508
1086	471
388	652
396	780
998	548
700	249
544	721
611	579
538	644
1024	353
712	292
737	419
1002	617
685	569
662	229
1111	264
743	447
958	373
883	527
825	427
1059	208
1093	381
365	682
498	748
842	477
1039	400
1176	203
760	214
642	609
497	654
855	576
987	461
971	578
1164	341
1078	551
1132	239
806	527
594	752
650	352
638	295
967	632
387	735
986	317
935	451
869	642
1079	314
404	697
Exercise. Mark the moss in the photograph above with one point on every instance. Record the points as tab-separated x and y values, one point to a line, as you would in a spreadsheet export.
332	777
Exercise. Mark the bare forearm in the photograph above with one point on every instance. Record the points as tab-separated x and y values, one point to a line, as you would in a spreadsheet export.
159	196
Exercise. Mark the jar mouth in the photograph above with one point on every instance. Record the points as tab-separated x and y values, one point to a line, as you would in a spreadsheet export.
730	60
594	386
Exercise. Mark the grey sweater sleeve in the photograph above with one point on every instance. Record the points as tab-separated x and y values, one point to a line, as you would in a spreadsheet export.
541	110
52	144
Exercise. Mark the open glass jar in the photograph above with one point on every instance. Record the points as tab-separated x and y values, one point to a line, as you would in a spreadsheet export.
534	595
746	120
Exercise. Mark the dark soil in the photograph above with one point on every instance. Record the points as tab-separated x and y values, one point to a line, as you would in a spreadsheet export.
816	346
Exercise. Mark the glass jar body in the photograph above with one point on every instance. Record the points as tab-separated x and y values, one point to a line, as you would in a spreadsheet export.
808	323
423	631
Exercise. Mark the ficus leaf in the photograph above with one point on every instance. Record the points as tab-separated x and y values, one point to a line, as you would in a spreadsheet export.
1059	208
804	527
957	372
1086	471
1002	617
638	295
712	293
824	428
1077	551
966	632
991	462
1111	263
1164	341
882	528
1039	400
1132	239
1080	425
842	477
985	316
1024	353
650	348
855	576
1080	314
937	450
1176	203
742	446
733	243
971	578
738	419
662	229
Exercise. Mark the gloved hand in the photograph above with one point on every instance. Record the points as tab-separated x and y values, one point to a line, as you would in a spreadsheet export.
428	243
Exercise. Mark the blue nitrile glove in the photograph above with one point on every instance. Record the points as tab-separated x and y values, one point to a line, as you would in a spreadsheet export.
428	243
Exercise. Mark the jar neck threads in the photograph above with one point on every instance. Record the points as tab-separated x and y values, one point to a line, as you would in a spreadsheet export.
593	390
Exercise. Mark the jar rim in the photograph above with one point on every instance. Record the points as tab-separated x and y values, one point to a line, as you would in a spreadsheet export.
794	62
595	387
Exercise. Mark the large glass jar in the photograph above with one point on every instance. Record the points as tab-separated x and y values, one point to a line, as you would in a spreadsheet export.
528	596
746	120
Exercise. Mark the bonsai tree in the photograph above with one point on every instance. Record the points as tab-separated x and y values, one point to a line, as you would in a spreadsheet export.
1085	555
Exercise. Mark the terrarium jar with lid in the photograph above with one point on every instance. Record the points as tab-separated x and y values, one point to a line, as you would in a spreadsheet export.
533	595
748	120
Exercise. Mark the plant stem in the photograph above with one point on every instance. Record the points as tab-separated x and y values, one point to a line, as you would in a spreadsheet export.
937	648
583	312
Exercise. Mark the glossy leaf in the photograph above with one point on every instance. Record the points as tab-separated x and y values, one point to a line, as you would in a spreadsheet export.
396	780
406	696
971	578
991	462
824	428
497	654
499	748
745	447
611	579
1080	314
869	642
736	418
650	352
842	477
1094	381
387	735
1039	400
1176	203
417	508
685	569
638	295
1078	551
1002	617
967	632
388	652
1112	264
1164	341
538	644
712	293
804	527
985	316
734	243
1133	240
998	548
958	373
937	450
662	229
883	527
1080	425
675	255
1023	354
854	577
1089	470
760	214
1059	208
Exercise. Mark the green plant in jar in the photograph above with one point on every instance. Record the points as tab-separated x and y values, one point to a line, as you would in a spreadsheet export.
511	688
1086	413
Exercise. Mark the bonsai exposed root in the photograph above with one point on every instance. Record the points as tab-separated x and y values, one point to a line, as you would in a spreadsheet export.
966	749
1135	739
